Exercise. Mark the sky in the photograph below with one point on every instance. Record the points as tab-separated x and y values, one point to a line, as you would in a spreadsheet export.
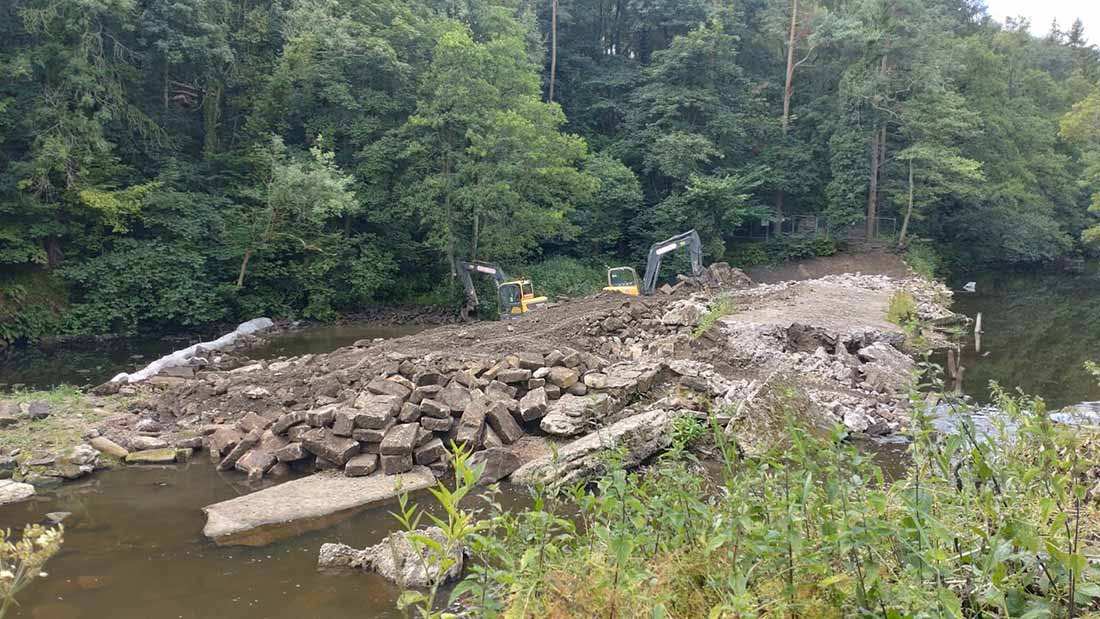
1041	12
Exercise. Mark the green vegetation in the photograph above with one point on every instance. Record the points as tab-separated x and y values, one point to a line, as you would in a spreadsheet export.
902	310
719	308
782	249
978	525
922	257
171	165
22	560
70	419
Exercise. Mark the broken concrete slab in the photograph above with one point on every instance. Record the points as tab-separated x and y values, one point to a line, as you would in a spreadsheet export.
639	437
307	504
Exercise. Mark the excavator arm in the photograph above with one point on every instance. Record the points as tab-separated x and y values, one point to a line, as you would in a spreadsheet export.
465	269
689	239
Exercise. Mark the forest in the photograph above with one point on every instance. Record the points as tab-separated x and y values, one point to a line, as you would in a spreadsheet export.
173	164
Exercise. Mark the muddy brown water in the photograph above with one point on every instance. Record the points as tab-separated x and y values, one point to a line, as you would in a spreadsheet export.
134	549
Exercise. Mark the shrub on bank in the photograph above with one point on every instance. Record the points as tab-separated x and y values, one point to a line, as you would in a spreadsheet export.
993	524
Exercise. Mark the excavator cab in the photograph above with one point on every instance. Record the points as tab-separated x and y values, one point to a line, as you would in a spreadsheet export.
625	279
622	279
517	297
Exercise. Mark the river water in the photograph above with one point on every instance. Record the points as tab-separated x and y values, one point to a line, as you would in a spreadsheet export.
134	546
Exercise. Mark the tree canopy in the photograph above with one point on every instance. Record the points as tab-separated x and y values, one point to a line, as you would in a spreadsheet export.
173	164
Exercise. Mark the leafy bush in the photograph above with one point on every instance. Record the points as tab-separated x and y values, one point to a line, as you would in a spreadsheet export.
902	310
30	307
980	525
565	276
922	257
782	249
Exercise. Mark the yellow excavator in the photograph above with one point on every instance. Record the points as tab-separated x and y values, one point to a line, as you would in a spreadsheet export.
516	296
625	279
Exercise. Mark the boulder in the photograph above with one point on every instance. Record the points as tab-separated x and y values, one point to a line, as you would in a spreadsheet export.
168	455
423	392
305	504
238	451
361	465
471	426
284	423
336	449
382	386
432	451
532	406
395	465
36	411
343	422
13	491
572	415
454	398
530	360
513	376
886	369
637	437
437	424
685	313
502	422
563	377
109	447
400	440
498	462
410	413
291	453
433	408
256	462
398	559
253	421
145	443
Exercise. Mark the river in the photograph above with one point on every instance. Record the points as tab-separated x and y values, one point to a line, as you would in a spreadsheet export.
134	546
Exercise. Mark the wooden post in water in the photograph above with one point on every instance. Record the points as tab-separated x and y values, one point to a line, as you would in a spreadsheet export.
978	333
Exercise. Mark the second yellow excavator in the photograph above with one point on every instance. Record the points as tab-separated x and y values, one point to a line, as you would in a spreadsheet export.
516	296
625	279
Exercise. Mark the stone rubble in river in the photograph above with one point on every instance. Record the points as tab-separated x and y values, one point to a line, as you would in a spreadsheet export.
381	408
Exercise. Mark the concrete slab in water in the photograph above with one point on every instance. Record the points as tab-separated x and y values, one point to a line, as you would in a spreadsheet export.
307	504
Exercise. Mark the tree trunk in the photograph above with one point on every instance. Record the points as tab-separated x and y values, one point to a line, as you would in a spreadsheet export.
872	190
211	115
477	234
244	267
788	90
553	46
908	209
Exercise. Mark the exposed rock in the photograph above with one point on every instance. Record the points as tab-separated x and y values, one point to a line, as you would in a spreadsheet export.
639	436
395	465
437	424
291	453
563	377
514	376
432	451
499	463
432	408
530	361
284	423
396	558
336	449
533	405
144	443
571	415
13	491
502	422
149	425
109	447
887	369
684	313
302	505
166	455
382	386
238	451
454	398
471	426
400	440
361	465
